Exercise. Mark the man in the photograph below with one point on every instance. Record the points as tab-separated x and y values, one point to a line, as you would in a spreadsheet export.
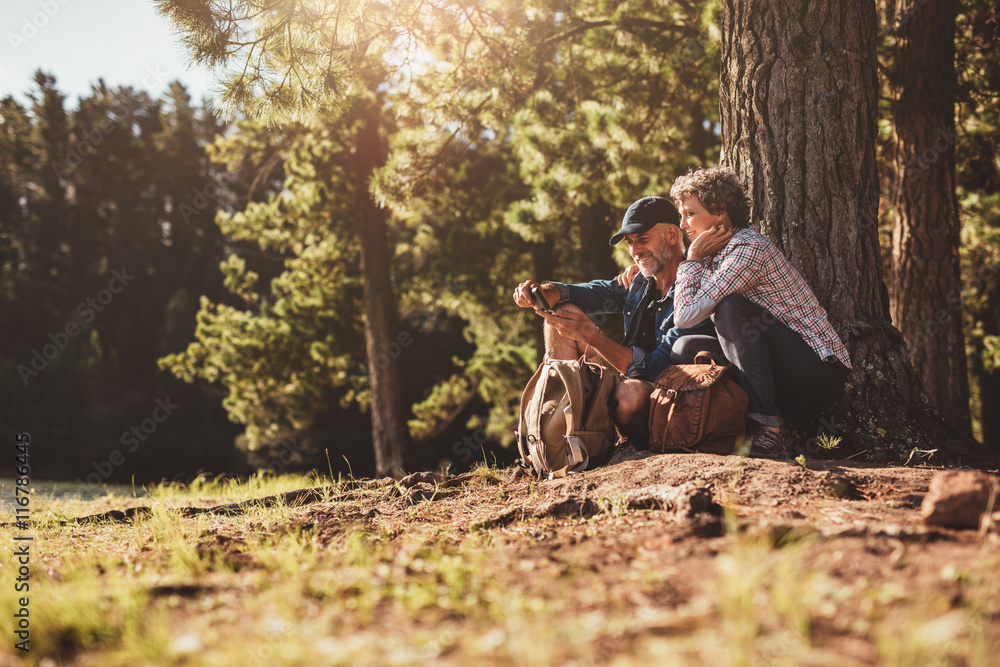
651	228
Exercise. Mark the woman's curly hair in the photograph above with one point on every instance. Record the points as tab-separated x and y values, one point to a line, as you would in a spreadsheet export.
718	190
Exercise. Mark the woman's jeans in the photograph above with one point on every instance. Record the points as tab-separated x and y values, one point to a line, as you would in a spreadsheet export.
778	370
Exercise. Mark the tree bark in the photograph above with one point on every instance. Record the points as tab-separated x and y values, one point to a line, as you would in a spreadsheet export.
390	434
927	291
798	107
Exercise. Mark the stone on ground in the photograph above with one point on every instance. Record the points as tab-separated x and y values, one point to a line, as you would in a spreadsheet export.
960	498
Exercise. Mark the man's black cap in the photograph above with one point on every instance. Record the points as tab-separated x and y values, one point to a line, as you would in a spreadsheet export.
643	214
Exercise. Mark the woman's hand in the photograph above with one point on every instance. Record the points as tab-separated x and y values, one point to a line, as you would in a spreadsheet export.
709	242
627	276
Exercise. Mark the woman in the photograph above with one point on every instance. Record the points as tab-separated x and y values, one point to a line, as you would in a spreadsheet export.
773	332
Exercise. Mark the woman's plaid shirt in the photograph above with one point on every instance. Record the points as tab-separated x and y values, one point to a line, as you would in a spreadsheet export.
752	266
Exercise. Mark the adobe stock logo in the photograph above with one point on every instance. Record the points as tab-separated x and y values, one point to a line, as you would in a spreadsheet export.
30	25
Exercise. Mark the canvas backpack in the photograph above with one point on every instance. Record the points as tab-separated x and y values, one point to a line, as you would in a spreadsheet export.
696	408
564	424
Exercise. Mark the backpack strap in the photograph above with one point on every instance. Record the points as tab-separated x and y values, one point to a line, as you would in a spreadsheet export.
570	375
576	447
605	384
661	413
704	357
523	446
579	458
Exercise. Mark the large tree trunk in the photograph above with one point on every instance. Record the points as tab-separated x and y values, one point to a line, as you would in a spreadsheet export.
390	434
926	304
798	101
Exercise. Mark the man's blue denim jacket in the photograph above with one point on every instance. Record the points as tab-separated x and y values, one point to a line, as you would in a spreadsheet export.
607	296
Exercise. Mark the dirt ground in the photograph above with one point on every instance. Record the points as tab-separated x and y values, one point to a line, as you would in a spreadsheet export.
686	559
857	553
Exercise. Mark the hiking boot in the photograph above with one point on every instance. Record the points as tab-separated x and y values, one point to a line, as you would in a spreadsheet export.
766	444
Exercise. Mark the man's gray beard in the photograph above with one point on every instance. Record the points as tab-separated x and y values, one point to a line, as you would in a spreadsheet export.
656	264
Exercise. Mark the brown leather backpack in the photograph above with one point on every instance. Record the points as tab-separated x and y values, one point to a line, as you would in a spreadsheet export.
696	408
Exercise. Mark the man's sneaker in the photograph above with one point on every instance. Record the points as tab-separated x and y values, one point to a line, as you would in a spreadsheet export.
766	444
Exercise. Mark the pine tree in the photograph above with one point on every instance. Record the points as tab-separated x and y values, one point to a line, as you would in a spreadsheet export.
978	179
926	303
799	122
571	99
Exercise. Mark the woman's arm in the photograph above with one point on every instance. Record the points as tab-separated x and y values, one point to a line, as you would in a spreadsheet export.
698	291
693	313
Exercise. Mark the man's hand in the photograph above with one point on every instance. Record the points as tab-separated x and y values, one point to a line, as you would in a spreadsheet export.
573	323
709	242
522	295
627	276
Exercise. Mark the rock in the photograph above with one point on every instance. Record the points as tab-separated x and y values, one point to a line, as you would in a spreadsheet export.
419	494
959	498
627	452
428	477
839	486
689	503
437	479
686	501
504	518
568	507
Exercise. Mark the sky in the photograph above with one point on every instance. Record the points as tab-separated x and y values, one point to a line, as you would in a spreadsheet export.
125	42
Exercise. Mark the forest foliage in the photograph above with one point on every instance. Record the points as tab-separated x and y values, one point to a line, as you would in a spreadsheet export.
515	135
